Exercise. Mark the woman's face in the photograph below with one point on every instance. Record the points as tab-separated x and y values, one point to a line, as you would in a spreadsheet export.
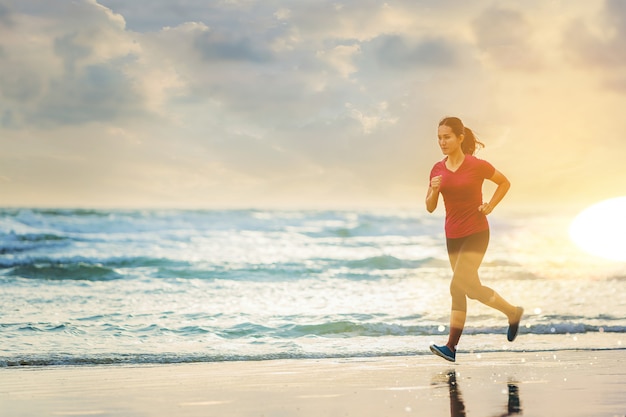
448	141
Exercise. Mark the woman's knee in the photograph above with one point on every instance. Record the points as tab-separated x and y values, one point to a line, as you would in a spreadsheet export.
459	299
480	293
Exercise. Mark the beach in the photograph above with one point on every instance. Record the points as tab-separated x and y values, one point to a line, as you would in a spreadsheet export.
555	383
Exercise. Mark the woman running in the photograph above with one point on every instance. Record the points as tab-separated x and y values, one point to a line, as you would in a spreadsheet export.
459	179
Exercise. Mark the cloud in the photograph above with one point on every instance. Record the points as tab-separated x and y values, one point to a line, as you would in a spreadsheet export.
600	41
266	104
503	35
98	93
70	51
154	15
70	71
597	42
5	16
397	52
213	47
200	103
341	58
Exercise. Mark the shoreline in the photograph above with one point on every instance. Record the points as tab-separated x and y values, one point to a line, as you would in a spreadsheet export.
568	382
407	346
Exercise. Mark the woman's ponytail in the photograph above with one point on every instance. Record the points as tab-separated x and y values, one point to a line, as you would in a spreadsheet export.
470	143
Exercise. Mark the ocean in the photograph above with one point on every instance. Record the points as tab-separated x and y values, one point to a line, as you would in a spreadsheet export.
89	287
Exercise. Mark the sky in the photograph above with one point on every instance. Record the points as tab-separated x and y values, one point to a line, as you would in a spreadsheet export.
308	104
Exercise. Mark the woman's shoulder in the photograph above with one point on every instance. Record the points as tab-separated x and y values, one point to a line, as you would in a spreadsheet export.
473	159
482	165
441	162
438	166
476	161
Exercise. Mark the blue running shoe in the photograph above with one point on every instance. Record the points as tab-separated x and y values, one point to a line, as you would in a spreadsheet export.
511	333
443	351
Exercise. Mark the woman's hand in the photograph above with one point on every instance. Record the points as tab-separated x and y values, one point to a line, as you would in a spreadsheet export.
485	208
435	183
433	193
498	195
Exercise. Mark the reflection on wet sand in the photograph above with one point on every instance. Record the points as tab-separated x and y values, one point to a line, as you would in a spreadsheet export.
457	406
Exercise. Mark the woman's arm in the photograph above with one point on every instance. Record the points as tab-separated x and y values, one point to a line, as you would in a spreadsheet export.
503	187
432	197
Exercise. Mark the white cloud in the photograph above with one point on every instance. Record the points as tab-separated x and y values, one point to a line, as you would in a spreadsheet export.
283	13
372	119
340	57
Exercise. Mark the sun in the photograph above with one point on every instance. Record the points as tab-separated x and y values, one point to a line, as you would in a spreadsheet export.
600	229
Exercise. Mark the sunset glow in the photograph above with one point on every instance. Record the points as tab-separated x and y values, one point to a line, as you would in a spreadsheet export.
601	229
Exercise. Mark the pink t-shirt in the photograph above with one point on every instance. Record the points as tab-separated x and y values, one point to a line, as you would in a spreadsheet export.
462	194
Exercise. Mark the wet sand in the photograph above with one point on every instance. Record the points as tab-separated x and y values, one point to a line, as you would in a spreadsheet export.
559	383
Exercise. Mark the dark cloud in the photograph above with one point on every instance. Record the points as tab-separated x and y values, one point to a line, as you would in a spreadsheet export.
100	92
20	87
616	10
74	72
5	16
80	11
398	52
606	50
70	51
142	16
218	47
7	119
154	15
503	35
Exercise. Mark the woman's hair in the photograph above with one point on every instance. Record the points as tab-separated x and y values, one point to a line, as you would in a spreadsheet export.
471	142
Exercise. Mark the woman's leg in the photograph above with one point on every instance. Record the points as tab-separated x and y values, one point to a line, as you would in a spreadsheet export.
466	255
465	280
457	323
458	312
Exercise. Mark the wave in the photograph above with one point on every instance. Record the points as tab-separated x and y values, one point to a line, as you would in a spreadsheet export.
293	331
384	262
164	358
380	329
173	358
316	224
115	262
13	243
59	271
86	269
97	269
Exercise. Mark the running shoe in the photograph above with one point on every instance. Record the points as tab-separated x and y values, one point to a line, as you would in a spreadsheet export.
511	333
443	351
